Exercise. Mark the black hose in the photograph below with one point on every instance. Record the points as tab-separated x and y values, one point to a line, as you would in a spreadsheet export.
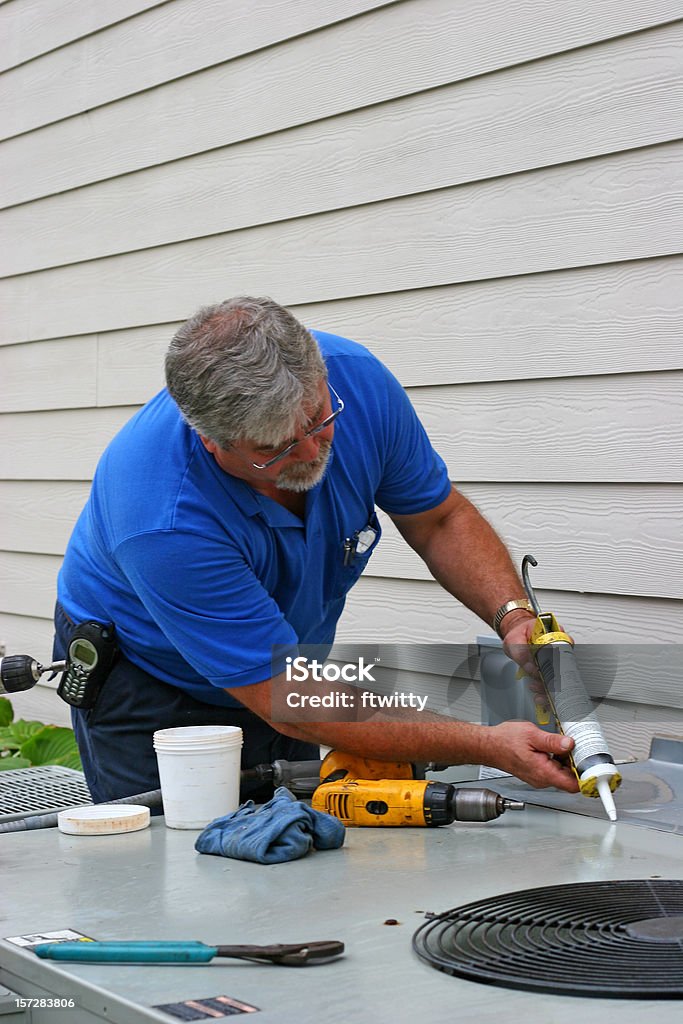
150	799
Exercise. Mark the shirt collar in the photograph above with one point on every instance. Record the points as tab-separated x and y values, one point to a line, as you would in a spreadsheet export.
253	503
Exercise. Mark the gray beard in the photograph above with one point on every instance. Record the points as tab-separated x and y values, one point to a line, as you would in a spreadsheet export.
304	476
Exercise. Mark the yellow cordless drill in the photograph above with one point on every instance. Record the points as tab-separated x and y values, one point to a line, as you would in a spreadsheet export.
359	791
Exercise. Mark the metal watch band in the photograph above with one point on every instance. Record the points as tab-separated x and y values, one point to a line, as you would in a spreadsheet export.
510	606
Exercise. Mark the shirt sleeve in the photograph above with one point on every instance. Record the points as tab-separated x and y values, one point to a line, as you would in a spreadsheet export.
209	605
415	477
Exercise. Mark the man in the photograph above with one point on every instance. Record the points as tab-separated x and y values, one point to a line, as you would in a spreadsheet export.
225	518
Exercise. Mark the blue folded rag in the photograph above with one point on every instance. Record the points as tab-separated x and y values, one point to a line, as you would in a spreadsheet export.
283	829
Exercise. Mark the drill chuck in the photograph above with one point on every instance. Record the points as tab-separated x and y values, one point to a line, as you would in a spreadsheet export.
19	672
445	803
481	805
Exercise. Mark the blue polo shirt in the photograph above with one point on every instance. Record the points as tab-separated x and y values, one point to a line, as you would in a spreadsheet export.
201	574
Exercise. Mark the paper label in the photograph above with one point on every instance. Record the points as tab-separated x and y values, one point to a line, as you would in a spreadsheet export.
65	935
211	1008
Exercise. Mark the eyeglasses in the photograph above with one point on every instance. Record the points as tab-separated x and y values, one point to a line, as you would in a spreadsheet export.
308	433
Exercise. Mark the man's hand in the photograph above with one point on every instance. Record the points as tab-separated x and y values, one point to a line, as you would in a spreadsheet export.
524	750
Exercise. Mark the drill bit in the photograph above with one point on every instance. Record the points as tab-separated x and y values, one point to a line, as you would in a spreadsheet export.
482	805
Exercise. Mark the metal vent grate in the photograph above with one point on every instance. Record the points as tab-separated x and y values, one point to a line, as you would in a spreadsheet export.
622	939
46	788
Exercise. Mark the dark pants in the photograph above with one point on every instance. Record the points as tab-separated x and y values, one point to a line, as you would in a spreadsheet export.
115	737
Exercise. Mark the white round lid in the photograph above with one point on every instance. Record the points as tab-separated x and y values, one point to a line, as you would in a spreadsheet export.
103	819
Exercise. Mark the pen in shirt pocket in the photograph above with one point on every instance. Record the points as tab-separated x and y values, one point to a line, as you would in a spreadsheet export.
361	542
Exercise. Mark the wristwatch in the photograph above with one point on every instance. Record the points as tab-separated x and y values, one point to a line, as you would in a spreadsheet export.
510	606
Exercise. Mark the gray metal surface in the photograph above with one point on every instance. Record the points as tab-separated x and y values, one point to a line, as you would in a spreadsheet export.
651	793
152	885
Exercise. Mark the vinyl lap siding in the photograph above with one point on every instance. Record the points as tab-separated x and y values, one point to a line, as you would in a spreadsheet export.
487	194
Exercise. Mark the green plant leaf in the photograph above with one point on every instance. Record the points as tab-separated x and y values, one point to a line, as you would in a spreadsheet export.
15	735
7	763
8	741
6	711
53	745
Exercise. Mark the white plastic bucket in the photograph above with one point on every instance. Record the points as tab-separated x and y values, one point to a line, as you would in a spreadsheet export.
199	769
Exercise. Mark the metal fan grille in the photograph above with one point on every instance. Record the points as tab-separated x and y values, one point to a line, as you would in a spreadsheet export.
41	789
621	939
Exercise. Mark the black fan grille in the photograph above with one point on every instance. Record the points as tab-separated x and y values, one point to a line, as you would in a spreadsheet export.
621	939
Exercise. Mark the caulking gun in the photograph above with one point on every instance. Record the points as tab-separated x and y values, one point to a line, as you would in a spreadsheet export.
572	708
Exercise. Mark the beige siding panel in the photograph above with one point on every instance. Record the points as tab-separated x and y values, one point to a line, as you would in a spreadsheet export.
29	583
591	320
130	363
39	515
25	634
586	538
387	53
611	539
606	429
171	41
410	611
457	698
572	322
60	445
598	211
629	728
31	27
459	662
609	667
48	375
29	587
590	429
620	95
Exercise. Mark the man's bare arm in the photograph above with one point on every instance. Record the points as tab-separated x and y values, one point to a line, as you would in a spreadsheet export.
466	556
516	747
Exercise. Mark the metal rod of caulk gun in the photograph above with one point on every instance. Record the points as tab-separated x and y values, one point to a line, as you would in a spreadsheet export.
530	593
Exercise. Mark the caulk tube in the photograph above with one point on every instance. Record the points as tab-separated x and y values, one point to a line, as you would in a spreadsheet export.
573	709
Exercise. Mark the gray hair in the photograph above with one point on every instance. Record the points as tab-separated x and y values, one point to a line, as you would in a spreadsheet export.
242	369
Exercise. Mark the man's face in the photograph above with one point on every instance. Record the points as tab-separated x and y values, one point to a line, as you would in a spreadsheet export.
299	469
298	475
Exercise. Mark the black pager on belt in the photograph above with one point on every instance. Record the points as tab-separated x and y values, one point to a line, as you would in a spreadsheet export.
90	656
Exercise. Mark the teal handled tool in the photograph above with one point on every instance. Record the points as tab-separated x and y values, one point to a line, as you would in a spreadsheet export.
83	951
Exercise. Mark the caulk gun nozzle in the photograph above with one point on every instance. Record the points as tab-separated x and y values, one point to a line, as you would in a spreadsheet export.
607	799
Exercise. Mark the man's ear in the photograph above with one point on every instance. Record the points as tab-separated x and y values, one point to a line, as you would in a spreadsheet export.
210	446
